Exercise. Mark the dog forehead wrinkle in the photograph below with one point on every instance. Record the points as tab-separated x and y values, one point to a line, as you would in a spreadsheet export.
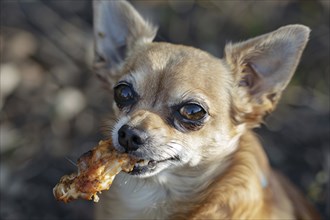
175	60
163	55
163	67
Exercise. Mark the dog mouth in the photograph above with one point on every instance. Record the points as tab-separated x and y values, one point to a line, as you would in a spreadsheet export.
149	167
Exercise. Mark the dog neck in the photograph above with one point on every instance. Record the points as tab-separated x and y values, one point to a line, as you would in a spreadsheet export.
156	197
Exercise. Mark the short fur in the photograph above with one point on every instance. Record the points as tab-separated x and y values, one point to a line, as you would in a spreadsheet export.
211	169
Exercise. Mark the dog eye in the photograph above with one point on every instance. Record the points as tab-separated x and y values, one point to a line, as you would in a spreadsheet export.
124	95
192	112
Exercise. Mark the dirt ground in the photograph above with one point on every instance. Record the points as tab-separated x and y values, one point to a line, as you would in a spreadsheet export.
53	108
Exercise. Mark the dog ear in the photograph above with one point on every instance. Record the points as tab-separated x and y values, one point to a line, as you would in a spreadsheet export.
262	68
118	28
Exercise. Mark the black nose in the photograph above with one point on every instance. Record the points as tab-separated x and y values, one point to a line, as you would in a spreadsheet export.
131	138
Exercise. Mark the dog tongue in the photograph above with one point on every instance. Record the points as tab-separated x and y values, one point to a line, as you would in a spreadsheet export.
142	163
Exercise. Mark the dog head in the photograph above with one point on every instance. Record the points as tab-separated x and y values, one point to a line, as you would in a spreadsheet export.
177	106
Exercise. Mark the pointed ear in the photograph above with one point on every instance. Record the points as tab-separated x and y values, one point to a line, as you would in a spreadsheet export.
263	67
118	28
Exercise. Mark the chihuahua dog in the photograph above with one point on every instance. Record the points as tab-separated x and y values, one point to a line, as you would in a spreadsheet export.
189	116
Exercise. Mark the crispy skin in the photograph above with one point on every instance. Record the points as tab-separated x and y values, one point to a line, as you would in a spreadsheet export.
96	170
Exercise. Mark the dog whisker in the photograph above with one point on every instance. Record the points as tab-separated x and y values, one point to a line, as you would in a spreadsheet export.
71	162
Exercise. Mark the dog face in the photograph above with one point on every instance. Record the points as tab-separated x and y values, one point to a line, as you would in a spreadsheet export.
179	107
173	107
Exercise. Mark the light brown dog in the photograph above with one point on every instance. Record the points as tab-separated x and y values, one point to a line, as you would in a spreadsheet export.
190	116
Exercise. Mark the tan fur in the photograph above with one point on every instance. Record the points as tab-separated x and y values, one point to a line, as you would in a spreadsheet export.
221	170
237	194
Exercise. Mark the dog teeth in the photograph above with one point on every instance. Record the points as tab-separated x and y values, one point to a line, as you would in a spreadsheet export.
152	163
142	163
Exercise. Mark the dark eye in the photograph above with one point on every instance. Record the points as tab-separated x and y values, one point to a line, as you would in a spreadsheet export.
124	95
192	112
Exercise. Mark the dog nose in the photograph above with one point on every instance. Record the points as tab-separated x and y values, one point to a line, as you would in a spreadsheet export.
131	138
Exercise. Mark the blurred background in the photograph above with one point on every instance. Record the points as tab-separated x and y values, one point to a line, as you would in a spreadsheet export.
53	108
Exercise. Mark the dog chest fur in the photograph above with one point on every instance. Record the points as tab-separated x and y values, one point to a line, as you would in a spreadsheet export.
131	197
157	197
